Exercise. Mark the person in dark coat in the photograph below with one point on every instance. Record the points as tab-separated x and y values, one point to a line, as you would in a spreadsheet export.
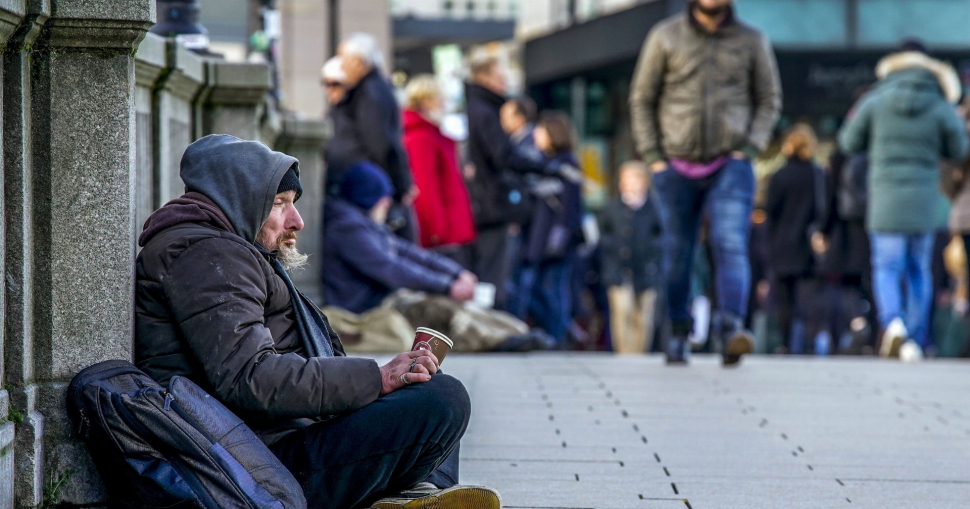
631	241
497	188
791	208
364	262
368	128
553	233
215	304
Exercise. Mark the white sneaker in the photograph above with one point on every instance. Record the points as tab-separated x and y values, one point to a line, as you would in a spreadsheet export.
910	352
894	337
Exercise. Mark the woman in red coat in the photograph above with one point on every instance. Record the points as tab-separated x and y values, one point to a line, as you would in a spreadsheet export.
442	206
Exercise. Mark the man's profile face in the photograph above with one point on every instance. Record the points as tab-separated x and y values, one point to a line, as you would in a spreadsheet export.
279	231
510	118
495	80
354	67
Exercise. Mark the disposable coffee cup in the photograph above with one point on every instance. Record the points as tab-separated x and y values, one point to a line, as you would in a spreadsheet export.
433	341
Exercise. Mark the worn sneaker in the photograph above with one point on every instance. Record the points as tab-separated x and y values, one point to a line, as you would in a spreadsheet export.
428	496
678	351
910	352
894	337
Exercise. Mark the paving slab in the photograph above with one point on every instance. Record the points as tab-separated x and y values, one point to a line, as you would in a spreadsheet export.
597	431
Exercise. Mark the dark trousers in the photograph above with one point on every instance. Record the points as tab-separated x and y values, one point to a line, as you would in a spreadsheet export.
545	293
786	292
404	438
491	260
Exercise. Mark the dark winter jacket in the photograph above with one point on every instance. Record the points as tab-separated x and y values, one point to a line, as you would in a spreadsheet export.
442	206
907	125
210	307
632	243
368	128
364	262
791	209
555	227
497	189
699	95
848	242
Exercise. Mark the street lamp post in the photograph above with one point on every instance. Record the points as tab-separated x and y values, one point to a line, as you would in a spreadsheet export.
180	19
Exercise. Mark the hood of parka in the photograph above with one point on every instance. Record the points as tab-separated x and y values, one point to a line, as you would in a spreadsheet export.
239	176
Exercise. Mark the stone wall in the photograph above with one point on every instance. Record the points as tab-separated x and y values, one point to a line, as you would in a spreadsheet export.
95	115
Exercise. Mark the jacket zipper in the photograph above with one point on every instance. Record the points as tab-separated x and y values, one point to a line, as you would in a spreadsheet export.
706	117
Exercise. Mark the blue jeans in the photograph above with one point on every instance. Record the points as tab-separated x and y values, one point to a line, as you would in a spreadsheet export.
899	258
544	292
727	196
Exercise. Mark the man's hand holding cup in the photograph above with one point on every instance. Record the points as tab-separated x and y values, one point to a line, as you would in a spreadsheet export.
406	369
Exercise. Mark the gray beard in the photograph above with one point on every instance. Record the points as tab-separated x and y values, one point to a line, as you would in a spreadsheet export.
291	258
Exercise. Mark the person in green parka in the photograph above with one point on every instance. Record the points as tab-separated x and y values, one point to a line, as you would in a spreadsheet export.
907	124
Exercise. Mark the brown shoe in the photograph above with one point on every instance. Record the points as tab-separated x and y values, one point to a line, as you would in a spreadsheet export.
427	496
739	343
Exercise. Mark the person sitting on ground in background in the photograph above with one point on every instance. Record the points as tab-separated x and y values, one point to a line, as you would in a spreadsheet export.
631	241
442	206
215	304
364	262
553	232
907	124
794	194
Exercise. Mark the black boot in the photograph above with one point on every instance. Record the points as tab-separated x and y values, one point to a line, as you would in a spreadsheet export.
678	347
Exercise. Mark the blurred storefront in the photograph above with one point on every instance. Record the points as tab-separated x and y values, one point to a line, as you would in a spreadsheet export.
827	50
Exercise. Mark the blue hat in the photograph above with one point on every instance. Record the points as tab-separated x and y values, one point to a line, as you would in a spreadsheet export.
365	184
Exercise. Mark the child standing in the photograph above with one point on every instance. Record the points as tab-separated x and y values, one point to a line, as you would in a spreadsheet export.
632	260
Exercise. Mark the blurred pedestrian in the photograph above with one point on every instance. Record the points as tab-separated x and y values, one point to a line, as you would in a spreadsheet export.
553	232
518	116
795	193
497	187
632	257
704	101
956	184
442	206
334	81
907	124
373	130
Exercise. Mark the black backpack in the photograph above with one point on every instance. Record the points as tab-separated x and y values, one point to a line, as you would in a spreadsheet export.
174	448
853	194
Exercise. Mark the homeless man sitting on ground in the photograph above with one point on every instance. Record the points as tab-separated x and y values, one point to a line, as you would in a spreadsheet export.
214	304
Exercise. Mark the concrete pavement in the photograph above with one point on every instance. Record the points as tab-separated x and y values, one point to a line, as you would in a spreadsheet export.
598	431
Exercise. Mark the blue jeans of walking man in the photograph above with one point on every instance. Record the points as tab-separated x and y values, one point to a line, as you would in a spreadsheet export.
898	259
727	197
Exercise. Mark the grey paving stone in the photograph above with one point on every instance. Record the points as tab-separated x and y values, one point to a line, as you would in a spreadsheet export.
777	432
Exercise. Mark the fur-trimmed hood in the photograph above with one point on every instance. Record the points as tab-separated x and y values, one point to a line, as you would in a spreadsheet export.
944	72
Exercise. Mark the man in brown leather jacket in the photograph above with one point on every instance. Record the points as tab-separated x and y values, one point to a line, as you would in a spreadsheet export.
215	305
704	101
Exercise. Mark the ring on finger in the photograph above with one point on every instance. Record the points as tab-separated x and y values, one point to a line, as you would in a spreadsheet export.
404	379
413	363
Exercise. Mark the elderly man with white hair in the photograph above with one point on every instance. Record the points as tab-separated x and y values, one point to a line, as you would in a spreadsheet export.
374	133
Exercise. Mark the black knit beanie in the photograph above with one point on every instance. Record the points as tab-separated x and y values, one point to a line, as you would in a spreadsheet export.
289	183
